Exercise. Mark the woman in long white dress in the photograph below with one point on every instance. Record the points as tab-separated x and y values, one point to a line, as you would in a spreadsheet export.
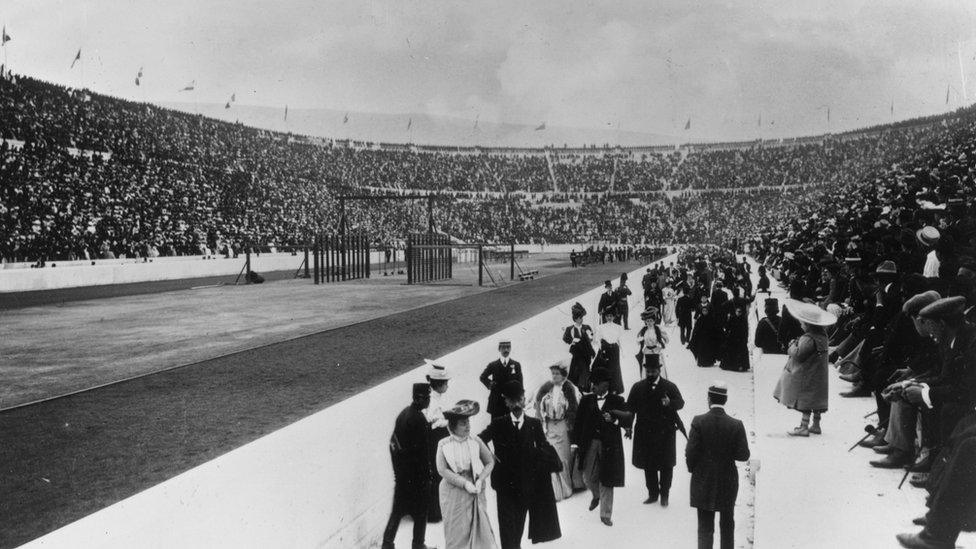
670	300
464	462
555	404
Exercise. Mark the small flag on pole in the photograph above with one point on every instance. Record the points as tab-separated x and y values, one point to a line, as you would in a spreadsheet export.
409	123
139	76
6	37
759	122
227	105
189	87
76	59
233	97
947	94
540	127
892	107
476	121
688	124
828	115
286	113
345	118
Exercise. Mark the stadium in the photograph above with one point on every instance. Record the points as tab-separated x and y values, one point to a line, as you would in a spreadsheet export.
219	314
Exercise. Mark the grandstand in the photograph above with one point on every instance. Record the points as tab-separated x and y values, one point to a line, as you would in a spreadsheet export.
148	400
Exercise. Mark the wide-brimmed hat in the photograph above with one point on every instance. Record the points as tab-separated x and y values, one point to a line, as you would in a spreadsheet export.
436	372
809	313
650	313
463	408
928	235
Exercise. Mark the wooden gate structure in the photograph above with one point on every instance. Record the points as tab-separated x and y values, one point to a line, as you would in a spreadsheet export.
341	257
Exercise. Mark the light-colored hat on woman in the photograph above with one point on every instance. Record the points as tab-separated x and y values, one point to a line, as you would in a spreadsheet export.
809	313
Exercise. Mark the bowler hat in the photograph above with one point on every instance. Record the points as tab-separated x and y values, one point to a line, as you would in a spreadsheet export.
599	375
513	390
421	389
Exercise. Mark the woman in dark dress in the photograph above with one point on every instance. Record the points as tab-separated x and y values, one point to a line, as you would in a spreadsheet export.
706	338
735	355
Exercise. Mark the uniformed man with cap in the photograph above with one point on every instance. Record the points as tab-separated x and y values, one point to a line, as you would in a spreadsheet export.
411	469
715	443
497	375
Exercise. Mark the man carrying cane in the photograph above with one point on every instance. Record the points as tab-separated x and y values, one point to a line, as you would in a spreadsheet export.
656	402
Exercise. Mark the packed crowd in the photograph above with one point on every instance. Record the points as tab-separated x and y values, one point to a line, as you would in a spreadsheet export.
172	183
567	436
882	284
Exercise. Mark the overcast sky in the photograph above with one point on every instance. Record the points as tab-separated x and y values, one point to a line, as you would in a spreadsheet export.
640	66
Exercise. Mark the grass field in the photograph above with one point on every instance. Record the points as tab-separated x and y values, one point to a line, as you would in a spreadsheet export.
66	458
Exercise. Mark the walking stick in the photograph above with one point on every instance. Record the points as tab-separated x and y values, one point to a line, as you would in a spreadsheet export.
871	414
870	430
909	468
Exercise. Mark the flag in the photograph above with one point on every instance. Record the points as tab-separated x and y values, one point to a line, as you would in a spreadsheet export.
139	76
688	124
76	59
409	123
540	127
190	86
345	118
233	97
828	115
6	37
286	113
227	105
759	122
947	94
892	107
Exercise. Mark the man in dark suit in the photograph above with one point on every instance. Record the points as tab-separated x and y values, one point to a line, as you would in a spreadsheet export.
623	293
608	302
579	337
497	375
411	469
522	474
596	433
683	309
715	443
656	402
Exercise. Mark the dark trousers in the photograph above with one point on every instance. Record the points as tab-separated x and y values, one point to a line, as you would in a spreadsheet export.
706	529
952	501
685	328
511	519
406	501
658	481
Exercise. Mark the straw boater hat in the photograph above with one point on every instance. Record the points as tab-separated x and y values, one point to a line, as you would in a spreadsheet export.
928	235
809	313
718	388
463	409
436	372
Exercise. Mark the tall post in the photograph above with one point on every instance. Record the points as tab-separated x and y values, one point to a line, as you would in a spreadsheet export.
430	213
369	260
480	268
511	260
247	266
409	260
315	256
306	261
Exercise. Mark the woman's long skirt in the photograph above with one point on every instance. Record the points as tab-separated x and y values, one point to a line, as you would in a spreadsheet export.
563	482
465	517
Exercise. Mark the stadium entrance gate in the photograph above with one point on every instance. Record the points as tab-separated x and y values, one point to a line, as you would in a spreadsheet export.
340	257
429	258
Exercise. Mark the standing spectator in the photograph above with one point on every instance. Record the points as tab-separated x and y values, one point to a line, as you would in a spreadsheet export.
803	386
655	402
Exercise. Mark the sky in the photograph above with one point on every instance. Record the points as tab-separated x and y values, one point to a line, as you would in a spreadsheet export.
644	66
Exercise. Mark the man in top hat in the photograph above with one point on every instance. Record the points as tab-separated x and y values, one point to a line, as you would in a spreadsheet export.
656	401
596	433
522	474
684	308
952	394
767	331
579	337
437	377
409	446
609	303
498	374
715	443
623	306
